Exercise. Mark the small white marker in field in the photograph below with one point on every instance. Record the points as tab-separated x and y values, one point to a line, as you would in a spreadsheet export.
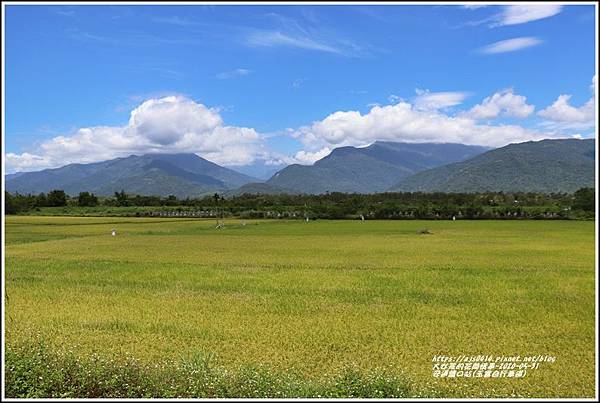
453	218
114	232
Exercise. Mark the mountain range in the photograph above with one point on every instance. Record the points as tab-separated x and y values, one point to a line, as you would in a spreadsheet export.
370	169
545	166
182	175
563	165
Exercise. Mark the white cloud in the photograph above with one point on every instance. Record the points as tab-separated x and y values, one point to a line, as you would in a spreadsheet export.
175	123
308	33
426	100
511	45
474	6
404	122
172	124
301	157
562	114
308	158
562	111
276	38
233	73
25	162
520	14
515	14
503	103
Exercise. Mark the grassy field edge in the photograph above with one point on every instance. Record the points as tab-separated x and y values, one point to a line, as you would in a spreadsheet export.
36	370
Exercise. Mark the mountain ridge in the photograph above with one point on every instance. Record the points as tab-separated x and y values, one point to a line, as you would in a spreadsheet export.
369	169
183	175
549	165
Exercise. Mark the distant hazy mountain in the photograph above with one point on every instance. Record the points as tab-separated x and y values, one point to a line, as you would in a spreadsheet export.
536	166
371	169
12	176
181	175
259	169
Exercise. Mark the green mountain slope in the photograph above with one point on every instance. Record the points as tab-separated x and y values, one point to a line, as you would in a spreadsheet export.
259	188
371	169
537	166
182	175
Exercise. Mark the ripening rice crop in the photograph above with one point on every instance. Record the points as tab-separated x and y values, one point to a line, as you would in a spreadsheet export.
294	307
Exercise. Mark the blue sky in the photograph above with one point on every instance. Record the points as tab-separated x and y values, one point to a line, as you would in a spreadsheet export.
257	87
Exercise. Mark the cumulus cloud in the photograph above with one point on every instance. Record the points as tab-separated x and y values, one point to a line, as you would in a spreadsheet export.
302	157
426	100
175	124
520	14
562	111
25	162
510	45
404	122
307	157
562	114
170	124
503	103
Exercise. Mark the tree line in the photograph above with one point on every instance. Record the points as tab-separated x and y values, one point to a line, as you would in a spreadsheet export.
580	204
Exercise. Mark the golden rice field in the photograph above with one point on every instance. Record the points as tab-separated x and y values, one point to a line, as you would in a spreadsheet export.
312	298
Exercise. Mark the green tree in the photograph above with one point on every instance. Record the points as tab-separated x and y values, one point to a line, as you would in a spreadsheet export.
121	198
171	200
56	198
41	200
10	204
585	199
86	199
